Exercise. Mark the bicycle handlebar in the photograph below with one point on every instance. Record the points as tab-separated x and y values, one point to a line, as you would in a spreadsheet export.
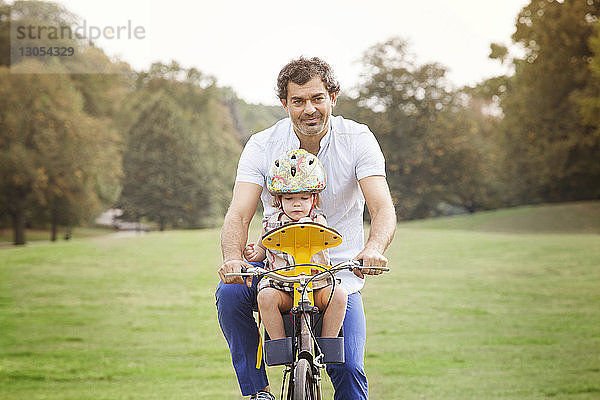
348	265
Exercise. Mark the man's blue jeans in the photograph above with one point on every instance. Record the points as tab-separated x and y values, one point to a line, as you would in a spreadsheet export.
235	304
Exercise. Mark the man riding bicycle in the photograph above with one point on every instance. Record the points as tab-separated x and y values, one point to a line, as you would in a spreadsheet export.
355	168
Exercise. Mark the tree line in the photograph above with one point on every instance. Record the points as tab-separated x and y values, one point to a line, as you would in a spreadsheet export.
162	144
529	137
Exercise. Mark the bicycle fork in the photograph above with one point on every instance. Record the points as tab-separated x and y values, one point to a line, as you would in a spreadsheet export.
304	314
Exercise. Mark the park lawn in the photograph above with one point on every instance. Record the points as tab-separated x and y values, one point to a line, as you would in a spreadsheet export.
466	313
34	235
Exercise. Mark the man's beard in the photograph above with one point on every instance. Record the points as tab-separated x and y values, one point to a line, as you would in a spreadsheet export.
309	130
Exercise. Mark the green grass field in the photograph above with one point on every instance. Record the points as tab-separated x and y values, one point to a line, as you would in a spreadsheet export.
469	311
34	235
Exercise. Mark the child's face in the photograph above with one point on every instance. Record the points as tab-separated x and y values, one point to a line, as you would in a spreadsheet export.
297	205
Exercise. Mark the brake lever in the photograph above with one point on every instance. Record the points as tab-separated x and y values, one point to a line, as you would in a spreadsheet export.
243	273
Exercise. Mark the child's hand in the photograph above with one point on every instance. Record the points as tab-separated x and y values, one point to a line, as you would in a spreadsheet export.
251	253
254	252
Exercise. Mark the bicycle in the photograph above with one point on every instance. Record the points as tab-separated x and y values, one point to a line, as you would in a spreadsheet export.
302	352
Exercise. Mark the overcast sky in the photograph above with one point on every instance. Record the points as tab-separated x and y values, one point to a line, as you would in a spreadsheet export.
245	43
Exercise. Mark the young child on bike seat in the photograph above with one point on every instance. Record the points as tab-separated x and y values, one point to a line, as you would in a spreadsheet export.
295	180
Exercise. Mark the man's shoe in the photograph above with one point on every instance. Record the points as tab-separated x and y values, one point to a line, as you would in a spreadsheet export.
262	396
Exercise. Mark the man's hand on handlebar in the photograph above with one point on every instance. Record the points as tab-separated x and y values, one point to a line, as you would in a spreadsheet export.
370	258
234	266
302	277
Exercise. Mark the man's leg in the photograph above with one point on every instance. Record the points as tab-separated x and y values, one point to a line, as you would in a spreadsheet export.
235	304
349	379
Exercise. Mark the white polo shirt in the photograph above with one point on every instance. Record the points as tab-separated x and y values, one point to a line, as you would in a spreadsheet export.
349	152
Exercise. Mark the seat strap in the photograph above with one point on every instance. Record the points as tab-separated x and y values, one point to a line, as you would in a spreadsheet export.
259	351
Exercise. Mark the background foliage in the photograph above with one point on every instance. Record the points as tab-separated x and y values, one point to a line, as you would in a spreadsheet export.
552	141
162	144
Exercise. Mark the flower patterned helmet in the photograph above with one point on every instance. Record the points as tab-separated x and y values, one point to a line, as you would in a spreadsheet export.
296	171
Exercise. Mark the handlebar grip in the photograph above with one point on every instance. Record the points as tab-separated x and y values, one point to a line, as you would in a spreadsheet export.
359	264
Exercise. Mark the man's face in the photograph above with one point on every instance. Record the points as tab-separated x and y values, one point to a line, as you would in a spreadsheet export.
309	106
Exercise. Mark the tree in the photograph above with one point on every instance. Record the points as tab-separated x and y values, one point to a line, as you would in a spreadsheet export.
55	161
552	152
4	33
159	165
433	140
59	147
589	104
166	177
250	118
196	102
469	154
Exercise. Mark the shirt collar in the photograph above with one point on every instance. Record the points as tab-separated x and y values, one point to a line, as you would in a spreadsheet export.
325	139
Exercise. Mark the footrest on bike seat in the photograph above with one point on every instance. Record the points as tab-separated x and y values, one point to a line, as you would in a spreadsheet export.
279	351
332	348
288	325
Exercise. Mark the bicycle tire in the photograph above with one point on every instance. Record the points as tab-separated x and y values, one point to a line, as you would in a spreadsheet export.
303	381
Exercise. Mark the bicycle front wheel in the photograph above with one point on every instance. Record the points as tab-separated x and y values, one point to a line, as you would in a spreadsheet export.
303	381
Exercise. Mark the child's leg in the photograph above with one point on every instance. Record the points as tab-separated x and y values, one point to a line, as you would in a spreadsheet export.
334	315
271	302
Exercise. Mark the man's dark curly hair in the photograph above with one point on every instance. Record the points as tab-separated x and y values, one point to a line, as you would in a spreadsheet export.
303	70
